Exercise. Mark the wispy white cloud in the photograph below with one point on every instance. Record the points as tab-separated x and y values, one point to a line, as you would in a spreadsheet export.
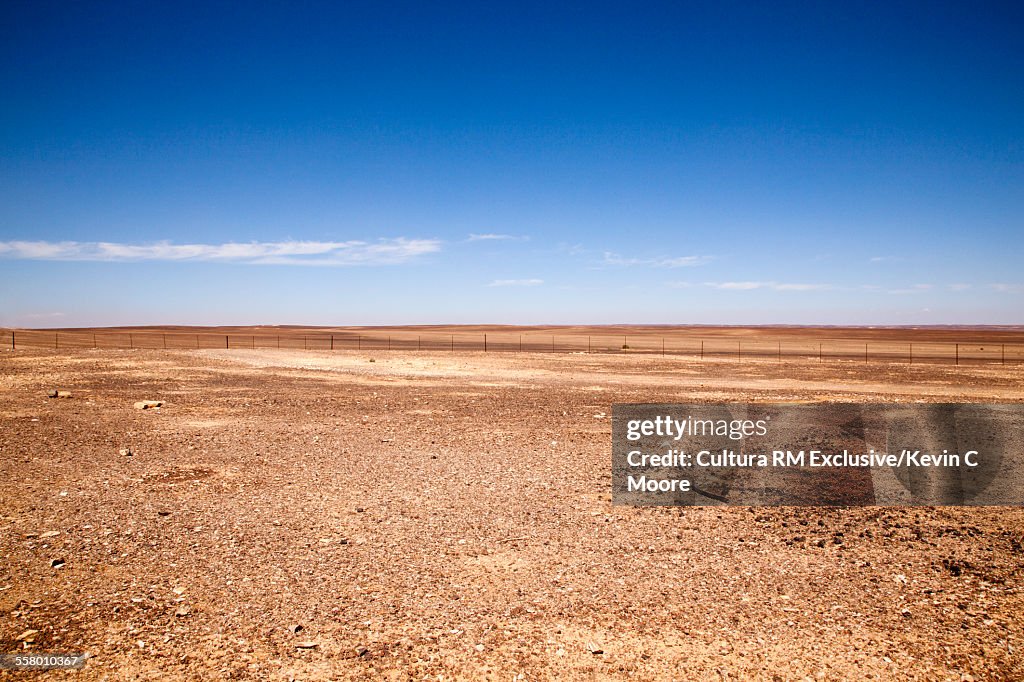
885	259
490	237
774	286
737	286
381	252
799	286
42	316
516	283
614	259
916	289
1005	288
959	286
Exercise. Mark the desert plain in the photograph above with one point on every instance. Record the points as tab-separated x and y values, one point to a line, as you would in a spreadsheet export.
302	513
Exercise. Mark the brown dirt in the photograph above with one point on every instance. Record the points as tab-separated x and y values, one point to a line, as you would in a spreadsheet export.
941	345
431	515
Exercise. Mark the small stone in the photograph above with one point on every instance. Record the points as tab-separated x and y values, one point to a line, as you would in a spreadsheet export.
306	645
148	404
50	534
126	452
479	647
27	636
183	611
593	648
56	563
295	628
58	394
361	651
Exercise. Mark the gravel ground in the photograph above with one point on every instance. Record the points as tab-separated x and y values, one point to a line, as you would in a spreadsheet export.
316	515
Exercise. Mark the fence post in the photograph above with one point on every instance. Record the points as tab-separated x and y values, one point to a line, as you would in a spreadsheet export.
56	340
911	353
958	354
165	341
819	351
453	343
254	341
663	346
865	352
552	343
94	340
197	341
485	343
702	349
227	342
131	342
389	342
332	341
780	351
14	345
419	344
520	343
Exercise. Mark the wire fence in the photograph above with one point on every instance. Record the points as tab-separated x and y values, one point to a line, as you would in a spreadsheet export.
803	349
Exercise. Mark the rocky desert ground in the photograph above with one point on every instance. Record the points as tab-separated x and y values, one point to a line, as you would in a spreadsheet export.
365	514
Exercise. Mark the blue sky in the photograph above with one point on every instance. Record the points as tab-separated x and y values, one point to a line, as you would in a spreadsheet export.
374	163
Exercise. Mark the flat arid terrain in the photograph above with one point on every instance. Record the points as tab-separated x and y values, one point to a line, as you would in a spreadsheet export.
364	513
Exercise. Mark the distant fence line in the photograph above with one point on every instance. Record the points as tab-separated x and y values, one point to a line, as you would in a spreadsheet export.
942	352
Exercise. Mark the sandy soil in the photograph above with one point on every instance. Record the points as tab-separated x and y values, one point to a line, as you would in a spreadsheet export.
936	345
430	515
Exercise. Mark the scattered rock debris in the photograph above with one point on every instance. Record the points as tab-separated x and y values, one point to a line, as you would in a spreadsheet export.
206	552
